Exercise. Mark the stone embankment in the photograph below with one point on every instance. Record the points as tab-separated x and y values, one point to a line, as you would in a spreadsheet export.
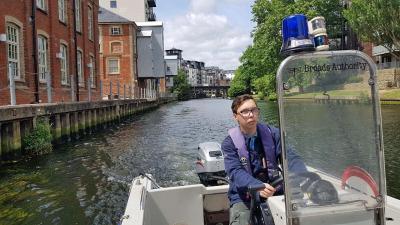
67	120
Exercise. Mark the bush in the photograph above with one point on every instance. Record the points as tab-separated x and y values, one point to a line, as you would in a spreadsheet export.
272	97
181	86
38	141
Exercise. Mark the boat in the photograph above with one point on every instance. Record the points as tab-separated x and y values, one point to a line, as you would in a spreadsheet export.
345	183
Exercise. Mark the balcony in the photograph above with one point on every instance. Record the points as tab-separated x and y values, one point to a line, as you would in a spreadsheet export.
151	3
151	16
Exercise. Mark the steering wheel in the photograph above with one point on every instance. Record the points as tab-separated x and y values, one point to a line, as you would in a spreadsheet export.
357	177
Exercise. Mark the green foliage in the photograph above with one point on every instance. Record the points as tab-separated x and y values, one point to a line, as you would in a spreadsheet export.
181	86
376	21
260	61
38	141
265	85
239	85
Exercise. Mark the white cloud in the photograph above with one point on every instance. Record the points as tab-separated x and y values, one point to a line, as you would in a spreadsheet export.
204	35
203	6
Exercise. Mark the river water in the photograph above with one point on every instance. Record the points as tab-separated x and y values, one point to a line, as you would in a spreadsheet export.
87	181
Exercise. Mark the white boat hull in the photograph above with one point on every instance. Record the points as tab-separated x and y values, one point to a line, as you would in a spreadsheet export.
200	205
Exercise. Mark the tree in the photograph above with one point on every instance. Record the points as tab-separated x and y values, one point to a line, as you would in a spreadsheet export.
376	21
260	61
181	86
239	85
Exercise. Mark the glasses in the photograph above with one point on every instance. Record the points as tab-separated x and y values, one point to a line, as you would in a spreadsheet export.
246	112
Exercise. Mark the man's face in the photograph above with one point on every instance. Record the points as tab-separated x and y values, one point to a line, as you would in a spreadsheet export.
247	114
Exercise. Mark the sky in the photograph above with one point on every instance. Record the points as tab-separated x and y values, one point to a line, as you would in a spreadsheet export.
212	31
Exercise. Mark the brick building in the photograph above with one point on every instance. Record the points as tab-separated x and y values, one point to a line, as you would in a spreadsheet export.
118	54
46	46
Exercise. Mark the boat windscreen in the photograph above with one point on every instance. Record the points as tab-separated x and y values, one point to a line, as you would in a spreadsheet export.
330	117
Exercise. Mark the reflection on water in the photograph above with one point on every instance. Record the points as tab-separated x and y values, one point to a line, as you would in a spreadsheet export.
87	182
342	133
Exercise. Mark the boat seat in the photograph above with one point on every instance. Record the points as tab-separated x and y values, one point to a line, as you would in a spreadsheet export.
216	202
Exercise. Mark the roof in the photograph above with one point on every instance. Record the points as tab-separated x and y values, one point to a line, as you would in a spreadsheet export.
106	16
173	49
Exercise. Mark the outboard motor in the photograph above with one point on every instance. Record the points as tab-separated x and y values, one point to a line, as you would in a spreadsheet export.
210	164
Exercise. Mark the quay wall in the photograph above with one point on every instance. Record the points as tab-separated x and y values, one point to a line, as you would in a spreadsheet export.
68	121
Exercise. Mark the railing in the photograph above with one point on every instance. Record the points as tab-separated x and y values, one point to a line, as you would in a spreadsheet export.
151	16
116	91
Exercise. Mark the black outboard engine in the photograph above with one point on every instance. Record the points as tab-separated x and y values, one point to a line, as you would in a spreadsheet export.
210	164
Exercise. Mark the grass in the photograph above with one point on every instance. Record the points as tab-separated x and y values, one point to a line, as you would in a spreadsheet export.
390	94
385	95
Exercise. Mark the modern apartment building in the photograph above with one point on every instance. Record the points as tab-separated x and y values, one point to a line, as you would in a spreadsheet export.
195	72
134	10
48	51
118	55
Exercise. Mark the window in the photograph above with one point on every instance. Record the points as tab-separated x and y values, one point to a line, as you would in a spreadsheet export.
113	66
116	47
13	46
79	64
62	11
113	4
41	4
92	69
42	59
78	22
90	23
116	30
64	64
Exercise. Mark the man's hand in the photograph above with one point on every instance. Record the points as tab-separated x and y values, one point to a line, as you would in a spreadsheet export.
268	191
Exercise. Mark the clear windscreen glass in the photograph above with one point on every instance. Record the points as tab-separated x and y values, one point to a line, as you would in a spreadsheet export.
331	122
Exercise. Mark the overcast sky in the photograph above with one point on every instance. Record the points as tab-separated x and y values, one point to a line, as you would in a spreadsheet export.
213	31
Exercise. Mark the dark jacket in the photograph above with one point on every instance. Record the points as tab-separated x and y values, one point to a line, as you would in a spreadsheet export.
240	178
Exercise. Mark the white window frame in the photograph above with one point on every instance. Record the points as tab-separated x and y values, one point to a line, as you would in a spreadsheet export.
115	30
62	11
90	23
42	58
41	4
64	64
115	69
13	50
79	64
78	20
92	71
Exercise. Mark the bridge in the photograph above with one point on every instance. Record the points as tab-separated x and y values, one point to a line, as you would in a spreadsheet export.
209	91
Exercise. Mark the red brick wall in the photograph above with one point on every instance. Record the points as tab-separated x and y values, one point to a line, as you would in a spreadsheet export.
127	57
367	48
47	22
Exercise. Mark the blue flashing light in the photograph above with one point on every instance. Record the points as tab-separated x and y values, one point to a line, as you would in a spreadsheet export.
295	34
295	26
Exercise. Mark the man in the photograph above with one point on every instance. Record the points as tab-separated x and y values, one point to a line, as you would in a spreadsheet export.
251	154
